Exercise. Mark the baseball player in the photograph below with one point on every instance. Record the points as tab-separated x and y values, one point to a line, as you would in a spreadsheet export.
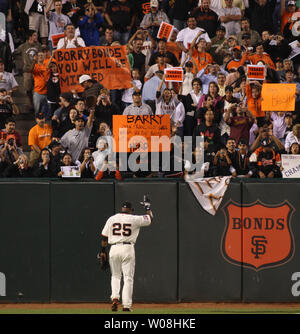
121	231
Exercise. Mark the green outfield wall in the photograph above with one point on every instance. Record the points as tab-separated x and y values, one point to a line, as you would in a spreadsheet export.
248	252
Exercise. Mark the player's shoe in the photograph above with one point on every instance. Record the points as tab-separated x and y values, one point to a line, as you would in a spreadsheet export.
114	306
126	309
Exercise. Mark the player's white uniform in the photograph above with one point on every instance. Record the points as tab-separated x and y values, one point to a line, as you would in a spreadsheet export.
122	231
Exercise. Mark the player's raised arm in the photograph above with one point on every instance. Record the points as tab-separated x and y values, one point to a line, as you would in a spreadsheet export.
147	205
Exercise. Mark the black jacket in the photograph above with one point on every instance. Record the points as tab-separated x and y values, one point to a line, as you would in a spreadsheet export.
105	113
281	51
59	129
211	134
15	171
261	17
40	171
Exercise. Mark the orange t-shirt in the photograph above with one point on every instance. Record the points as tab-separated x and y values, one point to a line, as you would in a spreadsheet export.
254	105
255	58
173	47
40	75
285	18
202	59
234	64
40	137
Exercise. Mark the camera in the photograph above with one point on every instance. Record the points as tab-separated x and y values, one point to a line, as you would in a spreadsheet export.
11	142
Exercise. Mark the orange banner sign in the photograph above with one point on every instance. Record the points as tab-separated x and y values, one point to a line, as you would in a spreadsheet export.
56	38
105	64
278	97
165	31
141	133
256	72
174	74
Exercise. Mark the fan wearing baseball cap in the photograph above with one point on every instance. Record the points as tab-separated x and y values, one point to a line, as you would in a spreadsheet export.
91	87
76	139
216	41
236	62
152	20
286	12
40	136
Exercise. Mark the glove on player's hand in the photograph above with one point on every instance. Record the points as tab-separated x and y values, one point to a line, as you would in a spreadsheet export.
103	260
146	203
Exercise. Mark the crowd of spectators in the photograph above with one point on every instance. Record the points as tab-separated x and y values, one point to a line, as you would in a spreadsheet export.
213	41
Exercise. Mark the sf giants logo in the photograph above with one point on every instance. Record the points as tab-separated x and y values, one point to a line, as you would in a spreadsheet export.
146	7
259	248
257	235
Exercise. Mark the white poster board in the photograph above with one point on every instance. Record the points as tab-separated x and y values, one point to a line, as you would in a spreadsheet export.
70	171
290	165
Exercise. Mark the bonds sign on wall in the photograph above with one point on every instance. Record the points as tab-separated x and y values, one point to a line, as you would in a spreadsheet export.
258	235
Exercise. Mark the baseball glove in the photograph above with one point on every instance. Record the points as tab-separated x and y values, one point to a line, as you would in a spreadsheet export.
146	203
103	260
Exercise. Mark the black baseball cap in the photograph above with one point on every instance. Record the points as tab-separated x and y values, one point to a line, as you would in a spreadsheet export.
79	117
127	205
229	88
189	64
136	93
221	28
39	115
67	96
243	141
54	144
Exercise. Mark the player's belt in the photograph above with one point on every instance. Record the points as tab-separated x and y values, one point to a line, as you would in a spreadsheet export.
122	243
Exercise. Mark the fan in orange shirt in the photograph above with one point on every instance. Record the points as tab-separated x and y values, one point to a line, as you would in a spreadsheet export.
40	73
39	136
287	13
253	94
173	47
236	62
258	56
201	57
